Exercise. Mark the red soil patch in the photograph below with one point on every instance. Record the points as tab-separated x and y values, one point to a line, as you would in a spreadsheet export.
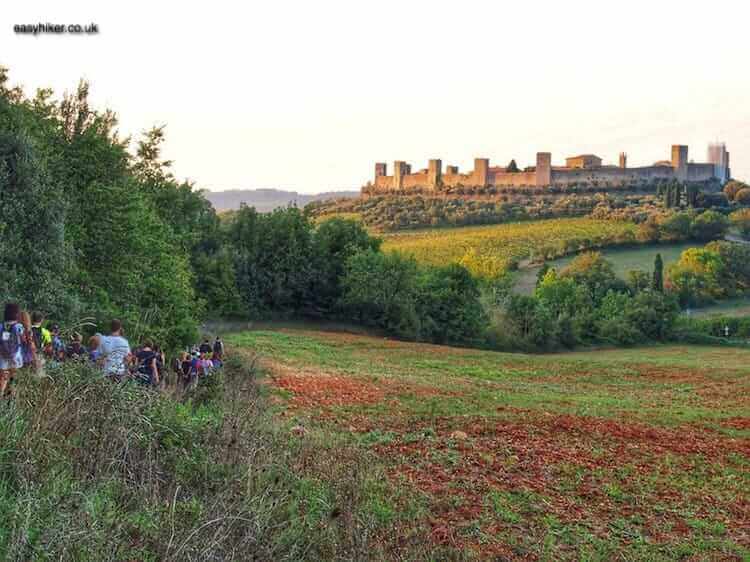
737	423
316	389
567	461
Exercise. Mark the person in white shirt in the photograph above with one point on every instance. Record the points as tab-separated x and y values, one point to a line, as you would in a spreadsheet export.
115	351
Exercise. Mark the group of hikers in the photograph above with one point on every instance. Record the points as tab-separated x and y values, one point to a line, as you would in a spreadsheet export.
25	343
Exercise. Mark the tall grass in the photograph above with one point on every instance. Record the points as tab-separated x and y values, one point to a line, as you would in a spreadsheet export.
91	470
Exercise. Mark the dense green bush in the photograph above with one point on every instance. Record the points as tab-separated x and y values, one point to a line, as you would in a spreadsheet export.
721	269
392	293
709	225
448	305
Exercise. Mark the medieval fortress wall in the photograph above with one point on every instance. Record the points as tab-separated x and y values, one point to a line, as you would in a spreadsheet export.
586	169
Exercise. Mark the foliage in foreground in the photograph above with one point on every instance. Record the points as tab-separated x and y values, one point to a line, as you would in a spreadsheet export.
95	471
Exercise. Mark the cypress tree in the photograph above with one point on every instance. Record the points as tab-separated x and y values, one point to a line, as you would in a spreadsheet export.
658	284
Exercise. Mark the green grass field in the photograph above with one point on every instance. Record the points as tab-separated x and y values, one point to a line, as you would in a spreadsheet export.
730	307
623	259
637	454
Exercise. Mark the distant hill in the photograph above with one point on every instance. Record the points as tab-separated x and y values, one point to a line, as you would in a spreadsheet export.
265	200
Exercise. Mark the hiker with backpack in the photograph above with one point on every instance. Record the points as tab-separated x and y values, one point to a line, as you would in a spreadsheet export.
205	347
147	371
11	355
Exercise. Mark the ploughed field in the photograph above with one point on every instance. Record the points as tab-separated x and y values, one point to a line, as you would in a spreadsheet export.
612	454
491	250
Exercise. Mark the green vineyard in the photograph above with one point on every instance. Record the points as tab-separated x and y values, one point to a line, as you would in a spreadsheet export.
489	251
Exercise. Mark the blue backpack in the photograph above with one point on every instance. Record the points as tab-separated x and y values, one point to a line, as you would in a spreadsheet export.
10	342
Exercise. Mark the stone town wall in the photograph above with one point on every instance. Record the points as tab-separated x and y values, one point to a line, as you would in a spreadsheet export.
611	176
541	175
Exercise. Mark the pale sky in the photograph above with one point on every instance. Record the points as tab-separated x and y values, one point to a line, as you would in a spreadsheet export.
309	95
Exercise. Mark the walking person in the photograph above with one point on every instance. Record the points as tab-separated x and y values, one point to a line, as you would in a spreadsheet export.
11	355
58	345
218	349
148	368
115	351
42	341
205	347
28	347
75	350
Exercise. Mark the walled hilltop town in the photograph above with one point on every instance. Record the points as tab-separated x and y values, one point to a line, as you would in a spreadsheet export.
585	169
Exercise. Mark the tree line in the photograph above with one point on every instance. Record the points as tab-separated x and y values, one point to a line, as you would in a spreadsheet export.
91	230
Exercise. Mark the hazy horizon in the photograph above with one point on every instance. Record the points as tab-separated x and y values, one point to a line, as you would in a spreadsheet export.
307	97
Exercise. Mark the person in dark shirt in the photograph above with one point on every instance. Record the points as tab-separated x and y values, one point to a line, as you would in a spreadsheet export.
160	364
148	370
75	350
187	370
218	348
205	347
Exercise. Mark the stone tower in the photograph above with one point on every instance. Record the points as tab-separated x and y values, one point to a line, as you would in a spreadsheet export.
543	168
623	160
481	171
680	161
381	169
435	173
400	169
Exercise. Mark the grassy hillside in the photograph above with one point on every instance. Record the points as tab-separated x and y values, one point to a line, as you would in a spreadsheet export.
628	454
623	260
490	250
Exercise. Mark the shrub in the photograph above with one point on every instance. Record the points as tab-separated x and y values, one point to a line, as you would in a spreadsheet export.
743	196
732	188
618	330
448	305
639	280
741	221
652	313
696	277
709	225
593	272
379	290
676	226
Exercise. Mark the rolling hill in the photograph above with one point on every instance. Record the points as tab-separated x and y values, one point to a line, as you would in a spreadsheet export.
265	200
